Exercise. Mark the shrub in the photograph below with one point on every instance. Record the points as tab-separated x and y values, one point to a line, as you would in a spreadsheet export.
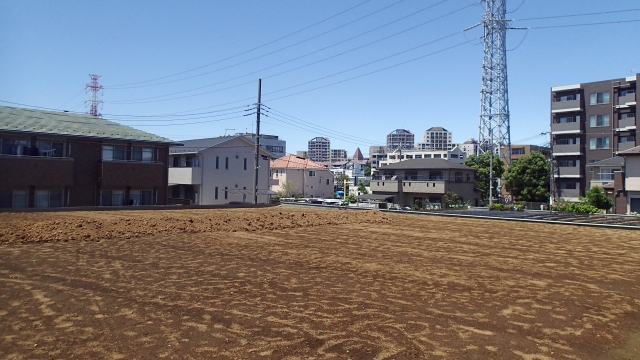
500	207
578	208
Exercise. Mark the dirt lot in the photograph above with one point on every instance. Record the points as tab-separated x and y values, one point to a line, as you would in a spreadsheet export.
304	284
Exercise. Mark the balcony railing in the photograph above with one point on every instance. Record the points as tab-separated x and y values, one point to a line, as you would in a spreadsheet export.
571	105
626	145
565	127
626	122
185	175
629	98
137	174
40	171
569	171
569	193
559	150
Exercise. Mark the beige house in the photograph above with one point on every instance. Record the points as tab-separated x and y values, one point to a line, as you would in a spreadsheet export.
217	171
632	178
425	180
302	177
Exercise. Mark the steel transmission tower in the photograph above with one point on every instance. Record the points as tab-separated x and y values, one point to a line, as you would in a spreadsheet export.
495	133
94	100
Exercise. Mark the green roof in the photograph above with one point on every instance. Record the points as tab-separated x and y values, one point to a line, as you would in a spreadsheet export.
70	124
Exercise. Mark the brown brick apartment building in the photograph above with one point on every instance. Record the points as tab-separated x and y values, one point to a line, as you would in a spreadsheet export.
55	159
590	122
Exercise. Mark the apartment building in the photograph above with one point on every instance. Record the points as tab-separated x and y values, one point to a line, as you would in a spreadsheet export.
590	122
217	171
377	153
319	149
339	155
470	147
425	180
59	159
518	150
436	138
400	139
304	177
271	143
302	154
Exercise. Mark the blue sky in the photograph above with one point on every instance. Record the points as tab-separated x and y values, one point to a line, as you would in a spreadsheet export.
48	48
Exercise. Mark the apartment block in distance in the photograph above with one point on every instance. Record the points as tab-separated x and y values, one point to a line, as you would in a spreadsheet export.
590	122
57	159
319	149
271	143
400	139
436	138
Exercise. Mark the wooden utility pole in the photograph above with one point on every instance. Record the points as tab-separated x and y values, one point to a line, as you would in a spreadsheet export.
256	166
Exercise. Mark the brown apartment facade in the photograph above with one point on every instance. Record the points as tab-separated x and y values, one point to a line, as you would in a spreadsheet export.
590	122
55	159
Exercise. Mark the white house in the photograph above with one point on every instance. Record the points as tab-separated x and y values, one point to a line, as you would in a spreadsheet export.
218	171
307	178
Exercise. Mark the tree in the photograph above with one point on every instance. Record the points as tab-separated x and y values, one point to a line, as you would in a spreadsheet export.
362	188
481	164
527	179
596	197
287	190
367	169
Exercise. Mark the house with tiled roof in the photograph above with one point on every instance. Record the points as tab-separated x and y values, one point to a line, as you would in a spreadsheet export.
299	176
59	159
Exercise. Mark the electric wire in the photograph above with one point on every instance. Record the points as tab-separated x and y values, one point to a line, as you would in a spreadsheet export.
584	24
250	50
288	46
576	15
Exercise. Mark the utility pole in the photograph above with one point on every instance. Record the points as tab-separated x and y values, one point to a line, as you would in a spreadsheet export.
94	88
256	165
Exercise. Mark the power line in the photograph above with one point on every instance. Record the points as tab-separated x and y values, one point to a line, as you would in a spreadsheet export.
576	15
250	50
191	123
275	51
317	51
586	24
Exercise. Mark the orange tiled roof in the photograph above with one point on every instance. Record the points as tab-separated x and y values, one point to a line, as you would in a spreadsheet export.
294	162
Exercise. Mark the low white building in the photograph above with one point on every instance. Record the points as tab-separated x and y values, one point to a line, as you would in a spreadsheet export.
456	155
217	171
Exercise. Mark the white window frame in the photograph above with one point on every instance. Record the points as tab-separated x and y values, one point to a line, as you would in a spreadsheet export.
599	120
593	143
106	149
312	173
146	154
598	98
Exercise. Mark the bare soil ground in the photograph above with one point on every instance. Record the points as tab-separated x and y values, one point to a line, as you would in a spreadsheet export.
310	284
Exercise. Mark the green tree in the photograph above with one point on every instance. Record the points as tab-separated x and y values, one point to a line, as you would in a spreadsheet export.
527	179
287	190
596	197
362	188
481	164
367	169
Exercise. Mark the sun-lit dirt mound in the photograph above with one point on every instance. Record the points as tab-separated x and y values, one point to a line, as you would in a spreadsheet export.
101	225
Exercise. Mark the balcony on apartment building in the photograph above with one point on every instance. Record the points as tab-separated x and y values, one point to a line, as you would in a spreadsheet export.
39	171
626	123
569	171
185	175
566	106
627	98
566	128
626	145
138	174
568	193
567	149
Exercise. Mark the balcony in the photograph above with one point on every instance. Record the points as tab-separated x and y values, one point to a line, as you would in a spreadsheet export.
38	171
572	149
627	123
185	175
565	128
629	98
136	174
626	145
569	171
566	106
569	194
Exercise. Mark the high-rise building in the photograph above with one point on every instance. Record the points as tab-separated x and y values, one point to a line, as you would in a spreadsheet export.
376	154
270	143
400	139
436	138
590	122
338	155
319	149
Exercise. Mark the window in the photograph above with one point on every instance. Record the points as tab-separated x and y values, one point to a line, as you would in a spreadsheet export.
570	141
517	151
13	147
141	197
226	193
51	149
312	173
215	193
437	156
20	199
217	162
568	119
598	143
458	177
627	116
625	139
608	174
568	163
111	152
48	198
468	177
599	98
327	181
275	149
427	156
245	163
627	92
176	161
599	120
5	199
418	156
320	180
111	198
142	154
226	163
192	161
568	185
409	157
454	156
569	97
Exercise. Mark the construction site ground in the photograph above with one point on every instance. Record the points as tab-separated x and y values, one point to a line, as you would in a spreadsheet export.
294	283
